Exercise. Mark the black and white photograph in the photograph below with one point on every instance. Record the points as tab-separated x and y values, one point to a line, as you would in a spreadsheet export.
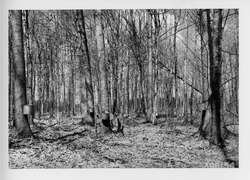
123	88
129	88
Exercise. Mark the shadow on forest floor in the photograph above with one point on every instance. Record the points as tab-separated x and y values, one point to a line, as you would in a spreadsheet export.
67	144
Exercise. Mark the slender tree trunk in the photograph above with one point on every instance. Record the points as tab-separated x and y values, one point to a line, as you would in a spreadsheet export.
72	85
29	65
142	96
11	79
103	74
185	73
128	82
135	92
39	80
64	88
40	87
51	85
95	55
201	23
155	95
191	101
175	65
150	70
115	83
83	89
21	121
103	70
89	81
237	63
58	89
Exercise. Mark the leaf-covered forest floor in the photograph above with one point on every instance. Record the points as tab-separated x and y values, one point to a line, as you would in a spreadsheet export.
166	145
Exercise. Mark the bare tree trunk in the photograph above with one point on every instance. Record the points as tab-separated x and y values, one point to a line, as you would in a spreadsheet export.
155	95
150	70
185	73
51	82
115	84
64	88
103	74
11	79
135	92
142	96
237	63
175	64
58	90
89	81
215	75
21	121
72	85
201	29
191	102
40	81
29	65
128	76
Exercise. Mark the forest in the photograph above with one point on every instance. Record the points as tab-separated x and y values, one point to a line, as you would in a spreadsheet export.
123	88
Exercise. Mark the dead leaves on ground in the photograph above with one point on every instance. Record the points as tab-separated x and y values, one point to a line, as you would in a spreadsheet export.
143	146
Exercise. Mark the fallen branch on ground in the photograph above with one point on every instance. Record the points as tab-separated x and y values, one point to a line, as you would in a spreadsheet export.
62	137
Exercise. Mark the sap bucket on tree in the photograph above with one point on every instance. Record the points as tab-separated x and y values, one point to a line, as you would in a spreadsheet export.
28	109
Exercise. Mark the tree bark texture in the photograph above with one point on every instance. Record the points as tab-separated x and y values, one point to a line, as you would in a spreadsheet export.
21	120
214	43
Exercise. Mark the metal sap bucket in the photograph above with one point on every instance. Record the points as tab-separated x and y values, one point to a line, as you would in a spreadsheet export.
28	109
105	116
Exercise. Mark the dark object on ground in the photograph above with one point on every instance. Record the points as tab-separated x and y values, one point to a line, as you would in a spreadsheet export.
119	128
113	125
